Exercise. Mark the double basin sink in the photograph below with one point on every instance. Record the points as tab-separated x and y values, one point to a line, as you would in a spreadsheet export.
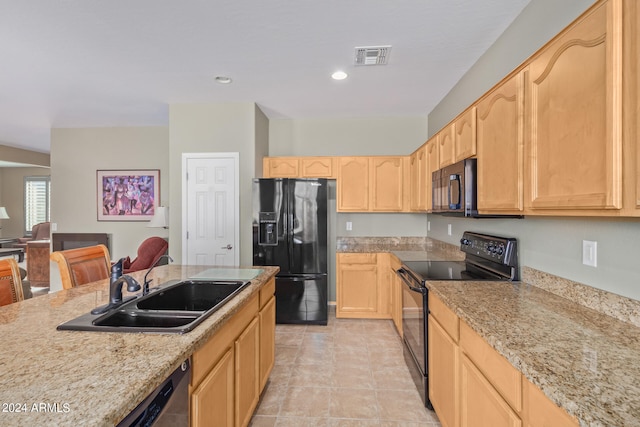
177	307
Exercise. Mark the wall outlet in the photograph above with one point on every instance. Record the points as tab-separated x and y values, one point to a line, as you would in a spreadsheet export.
590	253
349	225
428	225
449	229
54	226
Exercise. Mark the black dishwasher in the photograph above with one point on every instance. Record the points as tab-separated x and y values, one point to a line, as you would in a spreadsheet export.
167	405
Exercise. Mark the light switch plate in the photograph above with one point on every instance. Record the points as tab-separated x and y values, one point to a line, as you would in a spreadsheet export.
349	225
590	253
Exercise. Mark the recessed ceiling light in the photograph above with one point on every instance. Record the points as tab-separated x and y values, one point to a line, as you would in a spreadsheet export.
223	80
339	75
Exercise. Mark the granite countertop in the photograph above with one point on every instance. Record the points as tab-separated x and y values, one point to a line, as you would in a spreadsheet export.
585	361
50	377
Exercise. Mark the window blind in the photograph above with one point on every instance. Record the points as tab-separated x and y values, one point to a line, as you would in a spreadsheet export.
36	201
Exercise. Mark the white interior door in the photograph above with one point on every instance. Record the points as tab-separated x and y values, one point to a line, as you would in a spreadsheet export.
211	209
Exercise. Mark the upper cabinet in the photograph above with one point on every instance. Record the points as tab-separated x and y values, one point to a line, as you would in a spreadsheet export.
446	146
280	167
573	130
387	184
316	167
465	135
353	184
418	179
433	164
500	148
372	184
298	167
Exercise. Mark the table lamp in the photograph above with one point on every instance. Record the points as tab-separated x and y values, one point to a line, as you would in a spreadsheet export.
160	218
3	213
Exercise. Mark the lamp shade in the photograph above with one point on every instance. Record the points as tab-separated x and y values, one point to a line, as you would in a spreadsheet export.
160	218
3	213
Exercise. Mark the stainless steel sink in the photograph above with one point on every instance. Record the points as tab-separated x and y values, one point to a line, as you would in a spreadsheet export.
176	307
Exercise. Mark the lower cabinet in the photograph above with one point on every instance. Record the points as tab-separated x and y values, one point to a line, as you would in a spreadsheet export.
230	371
480	404
472	385
267	318
362	286
212	400
444	354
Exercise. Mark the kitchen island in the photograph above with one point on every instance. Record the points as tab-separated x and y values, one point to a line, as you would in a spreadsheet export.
50	377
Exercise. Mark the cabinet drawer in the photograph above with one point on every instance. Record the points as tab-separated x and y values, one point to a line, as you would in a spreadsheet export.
266	292
358	258
505	378
445	317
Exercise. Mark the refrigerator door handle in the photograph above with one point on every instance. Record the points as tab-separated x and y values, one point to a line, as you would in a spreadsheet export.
300	277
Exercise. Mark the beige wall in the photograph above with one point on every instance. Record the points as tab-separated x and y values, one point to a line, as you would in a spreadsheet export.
76	155
347	136
211	128
549	244
18	155
12	197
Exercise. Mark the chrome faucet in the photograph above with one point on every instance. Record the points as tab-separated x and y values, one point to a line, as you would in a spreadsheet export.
145	286
115	288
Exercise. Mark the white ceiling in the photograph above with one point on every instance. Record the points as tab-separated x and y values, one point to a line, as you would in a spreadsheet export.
85	63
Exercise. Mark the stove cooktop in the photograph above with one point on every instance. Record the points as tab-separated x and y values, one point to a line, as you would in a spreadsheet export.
447	270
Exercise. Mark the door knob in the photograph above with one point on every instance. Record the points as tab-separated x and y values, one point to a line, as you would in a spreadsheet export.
229	247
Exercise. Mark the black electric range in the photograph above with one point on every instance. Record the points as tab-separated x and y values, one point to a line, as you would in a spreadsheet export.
486	258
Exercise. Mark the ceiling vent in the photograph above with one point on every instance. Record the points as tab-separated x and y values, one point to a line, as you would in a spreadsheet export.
372	55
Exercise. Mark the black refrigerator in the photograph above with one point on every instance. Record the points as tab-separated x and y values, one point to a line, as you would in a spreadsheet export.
290	231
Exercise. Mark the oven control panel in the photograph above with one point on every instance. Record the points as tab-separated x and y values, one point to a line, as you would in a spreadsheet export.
502	250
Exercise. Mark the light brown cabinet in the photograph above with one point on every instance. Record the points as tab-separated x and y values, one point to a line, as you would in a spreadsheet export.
267	319
247	375
353	184
574	118
481	405
539	411
464	141
446	146
298	167
230	371
212	401
444	362
280	167
418	179
372	184
362	286
433	164
316	167
387	184
501	148
503	377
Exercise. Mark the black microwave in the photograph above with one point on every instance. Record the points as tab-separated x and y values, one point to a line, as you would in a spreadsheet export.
454	189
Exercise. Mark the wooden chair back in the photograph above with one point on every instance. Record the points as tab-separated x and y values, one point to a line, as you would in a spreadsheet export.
10	282
82	265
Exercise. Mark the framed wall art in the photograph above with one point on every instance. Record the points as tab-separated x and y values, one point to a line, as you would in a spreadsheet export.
127	195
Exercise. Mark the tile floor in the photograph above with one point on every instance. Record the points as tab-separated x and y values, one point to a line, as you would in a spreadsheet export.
349	373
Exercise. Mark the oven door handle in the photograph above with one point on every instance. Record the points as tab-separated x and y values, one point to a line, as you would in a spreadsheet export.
406	278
